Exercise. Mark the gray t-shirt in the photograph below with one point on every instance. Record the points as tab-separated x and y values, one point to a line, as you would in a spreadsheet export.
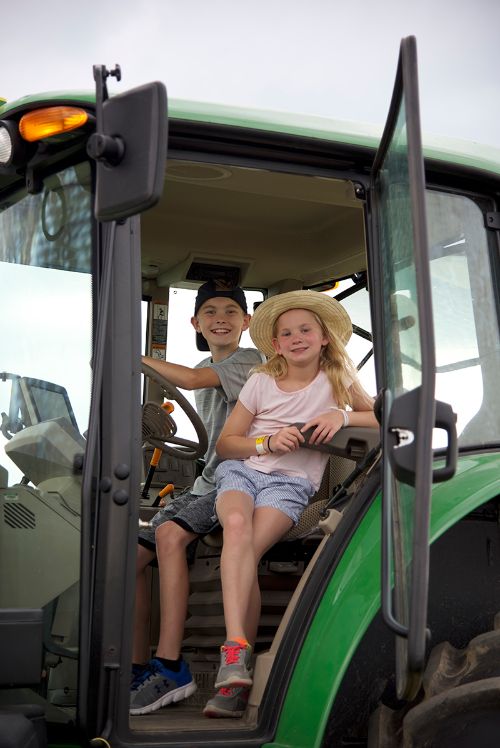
214	404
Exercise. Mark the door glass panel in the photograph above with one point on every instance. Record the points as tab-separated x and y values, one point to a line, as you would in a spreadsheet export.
402	350
403	355
408	419
45	328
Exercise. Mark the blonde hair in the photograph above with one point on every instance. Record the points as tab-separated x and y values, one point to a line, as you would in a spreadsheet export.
333	360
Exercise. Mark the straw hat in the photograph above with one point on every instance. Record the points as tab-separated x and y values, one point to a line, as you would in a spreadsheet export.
333	315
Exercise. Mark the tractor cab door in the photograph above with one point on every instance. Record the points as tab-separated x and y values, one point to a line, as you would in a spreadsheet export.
403	308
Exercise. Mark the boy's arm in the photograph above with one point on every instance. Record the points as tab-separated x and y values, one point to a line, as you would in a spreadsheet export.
184	376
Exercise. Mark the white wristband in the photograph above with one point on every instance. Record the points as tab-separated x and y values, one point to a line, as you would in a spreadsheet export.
345	415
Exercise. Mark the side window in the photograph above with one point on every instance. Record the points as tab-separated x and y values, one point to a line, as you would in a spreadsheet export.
144	324
359	348
466	325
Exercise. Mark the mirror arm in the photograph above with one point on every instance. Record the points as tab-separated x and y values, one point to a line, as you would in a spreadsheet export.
101	147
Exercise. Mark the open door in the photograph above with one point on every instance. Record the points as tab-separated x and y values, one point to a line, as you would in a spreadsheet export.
405	315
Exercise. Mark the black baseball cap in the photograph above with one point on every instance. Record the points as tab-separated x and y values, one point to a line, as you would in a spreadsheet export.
210	290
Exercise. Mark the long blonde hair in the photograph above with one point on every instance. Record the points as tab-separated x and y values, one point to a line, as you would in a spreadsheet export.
333	360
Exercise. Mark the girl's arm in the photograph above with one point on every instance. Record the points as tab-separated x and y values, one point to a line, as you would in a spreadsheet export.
327	424
232	443
362	408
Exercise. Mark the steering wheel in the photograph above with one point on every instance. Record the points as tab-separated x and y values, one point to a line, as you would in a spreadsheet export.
159	429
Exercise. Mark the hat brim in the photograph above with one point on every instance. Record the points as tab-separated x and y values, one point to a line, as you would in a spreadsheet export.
328	309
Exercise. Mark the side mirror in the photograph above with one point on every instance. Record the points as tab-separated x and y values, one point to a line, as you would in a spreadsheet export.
130	149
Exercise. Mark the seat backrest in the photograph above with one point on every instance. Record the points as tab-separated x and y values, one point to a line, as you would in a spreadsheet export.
347	449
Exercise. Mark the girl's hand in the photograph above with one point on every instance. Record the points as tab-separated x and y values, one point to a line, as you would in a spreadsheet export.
327	425
287	439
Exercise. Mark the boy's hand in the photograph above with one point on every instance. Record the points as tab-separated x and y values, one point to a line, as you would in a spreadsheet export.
327	425
287	439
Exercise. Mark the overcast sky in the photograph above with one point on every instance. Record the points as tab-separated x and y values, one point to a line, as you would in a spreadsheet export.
334	58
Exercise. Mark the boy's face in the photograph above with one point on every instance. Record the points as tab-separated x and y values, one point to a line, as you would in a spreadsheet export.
221	322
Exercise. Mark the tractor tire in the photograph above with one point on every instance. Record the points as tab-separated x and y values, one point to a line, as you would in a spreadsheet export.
459	704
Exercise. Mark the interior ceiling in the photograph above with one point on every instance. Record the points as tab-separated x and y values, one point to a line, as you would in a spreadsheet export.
275	226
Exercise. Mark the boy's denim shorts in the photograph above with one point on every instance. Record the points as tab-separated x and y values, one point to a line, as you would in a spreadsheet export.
284	492
193	513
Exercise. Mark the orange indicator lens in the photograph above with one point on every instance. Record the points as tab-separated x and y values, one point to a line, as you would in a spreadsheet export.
42	123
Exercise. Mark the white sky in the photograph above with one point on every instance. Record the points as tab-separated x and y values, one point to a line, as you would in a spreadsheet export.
323	57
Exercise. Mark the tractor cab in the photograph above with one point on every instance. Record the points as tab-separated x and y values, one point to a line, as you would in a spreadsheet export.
114	210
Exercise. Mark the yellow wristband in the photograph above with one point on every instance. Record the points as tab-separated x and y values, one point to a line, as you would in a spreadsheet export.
259	445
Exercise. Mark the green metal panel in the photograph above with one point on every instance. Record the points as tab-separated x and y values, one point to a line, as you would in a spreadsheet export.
460	152
353	598
51	98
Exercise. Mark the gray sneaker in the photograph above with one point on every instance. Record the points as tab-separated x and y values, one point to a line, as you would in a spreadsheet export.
159	687
227	702
234	665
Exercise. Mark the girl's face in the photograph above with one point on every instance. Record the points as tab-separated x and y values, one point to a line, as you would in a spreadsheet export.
299	337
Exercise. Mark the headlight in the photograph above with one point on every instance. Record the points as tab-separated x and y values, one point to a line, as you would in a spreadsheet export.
5	145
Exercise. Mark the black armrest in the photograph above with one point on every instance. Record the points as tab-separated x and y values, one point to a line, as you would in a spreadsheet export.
353	442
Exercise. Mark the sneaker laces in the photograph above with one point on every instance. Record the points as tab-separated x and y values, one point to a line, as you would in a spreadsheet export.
153	667
232	691
231	653
140	677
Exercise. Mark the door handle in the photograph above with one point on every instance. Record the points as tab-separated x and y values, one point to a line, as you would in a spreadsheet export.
446	419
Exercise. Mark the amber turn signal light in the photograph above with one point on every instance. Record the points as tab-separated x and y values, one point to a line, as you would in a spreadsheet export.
43	123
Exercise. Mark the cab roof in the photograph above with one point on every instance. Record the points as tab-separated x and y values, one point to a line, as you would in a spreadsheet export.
439	148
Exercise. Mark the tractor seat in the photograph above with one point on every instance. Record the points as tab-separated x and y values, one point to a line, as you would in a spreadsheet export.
347	450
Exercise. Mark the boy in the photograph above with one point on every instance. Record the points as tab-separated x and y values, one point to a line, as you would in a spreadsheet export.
220	317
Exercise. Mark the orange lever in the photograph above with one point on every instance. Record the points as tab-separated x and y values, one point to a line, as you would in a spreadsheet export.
157	452
156	457
166	490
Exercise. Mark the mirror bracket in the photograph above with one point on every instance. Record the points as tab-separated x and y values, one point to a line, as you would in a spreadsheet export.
129	147
107	149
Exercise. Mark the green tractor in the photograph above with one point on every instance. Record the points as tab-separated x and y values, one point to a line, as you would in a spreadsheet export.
378	623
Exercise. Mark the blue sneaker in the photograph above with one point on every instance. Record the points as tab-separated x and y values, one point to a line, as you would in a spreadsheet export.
158	687
137	674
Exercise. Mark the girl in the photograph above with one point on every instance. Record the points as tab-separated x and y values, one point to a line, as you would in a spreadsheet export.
266	480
